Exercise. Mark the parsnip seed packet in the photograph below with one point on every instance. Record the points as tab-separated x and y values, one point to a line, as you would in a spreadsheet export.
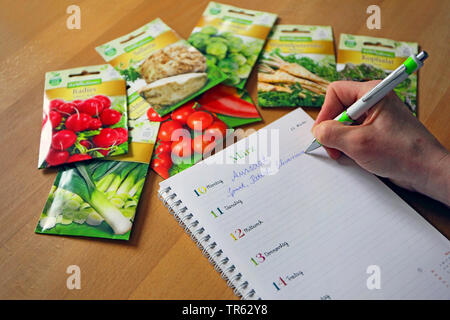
99	198
85	115
232	39
362	58
160	67
296	66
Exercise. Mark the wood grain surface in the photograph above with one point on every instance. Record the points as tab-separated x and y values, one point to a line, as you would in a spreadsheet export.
160	261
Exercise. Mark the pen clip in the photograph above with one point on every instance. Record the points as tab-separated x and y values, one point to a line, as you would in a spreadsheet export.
394	75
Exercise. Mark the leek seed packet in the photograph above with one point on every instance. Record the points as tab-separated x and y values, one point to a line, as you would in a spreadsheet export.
99	198
362	58
296	66
232	39
85	115
160	67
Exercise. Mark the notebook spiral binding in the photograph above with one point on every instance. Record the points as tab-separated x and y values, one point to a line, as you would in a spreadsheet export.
206	244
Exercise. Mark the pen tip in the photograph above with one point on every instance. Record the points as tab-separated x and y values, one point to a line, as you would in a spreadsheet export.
313	146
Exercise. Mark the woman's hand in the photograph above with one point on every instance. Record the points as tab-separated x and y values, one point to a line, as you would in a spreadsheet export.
388	141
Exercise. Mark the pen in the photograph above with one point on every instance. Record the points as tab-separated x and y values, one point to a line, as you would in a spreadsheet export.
357	109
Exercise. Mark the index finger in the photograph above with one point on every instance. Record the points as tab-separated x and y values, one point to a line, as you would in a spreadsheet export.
340	95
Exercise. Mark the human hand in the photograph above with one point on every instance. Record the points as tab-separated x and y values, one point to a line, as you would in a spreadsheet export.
387	141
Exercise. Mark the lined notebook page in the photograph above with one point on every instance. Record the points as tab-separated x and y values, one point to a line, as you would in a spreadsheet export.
303	226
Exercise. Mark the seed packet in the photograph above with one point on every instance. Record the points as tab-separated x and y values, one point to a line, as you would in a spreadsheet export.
232	39
296	66
215	113
99	198
84	115
160	67
362	58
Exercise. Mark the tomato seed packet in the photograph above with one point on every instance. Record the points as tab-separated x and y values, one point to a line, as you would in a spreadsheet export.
84	115
362	58
296	66
232	39
203	123
160	67
99	198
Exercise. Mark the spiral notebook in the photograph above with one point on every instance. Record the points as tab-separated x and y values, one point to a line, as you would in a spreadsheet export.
281	224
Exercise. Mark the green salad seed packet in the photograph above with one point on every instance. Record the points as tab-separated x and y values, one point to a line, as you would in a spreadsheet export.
160	67
84	115
99	198
232	39
296	66
362	58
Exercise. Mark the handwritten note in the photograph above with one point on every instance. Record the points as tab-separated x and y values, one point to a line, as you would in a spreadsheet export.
304	226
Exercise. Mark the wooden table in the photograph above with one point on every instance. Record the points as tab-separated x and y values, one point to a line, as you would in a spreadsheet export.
160	261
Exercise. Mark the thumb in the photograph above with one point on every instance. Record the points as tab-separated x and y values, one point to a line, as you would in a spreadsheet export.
333	134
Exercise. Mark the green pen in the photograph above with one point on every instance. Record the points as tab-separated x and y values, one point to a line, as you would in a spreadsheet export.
356	110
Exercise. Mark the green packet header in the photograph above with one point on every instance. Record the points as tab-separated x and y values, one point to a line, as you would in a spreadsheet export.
238	15
132	40
80	77
301	33
377	46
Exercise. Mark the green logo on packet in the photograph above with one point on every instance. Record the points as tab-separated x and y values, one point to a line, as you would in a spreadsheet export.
55	81
214	10
350	43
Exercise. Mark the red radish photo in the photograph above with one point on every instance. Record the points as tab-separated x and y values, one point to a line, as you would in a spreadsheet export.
78	122
63	139
55	157
92	107
110	117
84	129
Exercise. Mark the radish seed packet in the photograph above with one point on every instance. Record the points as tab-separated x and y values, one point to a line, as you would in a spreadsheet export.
99	198
84	116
